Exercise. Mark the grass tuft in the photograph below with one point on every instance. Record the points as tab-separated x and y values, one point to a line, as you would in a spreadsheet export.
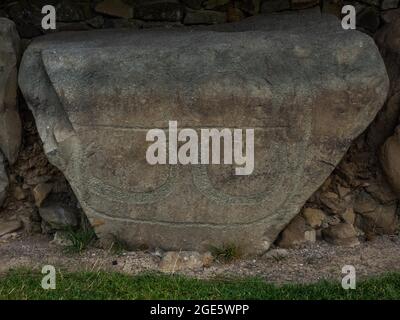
80	239
226	253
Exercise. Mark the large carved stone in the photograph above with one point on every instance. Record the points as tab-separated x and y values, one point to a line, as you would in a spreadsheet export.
306	86
10	123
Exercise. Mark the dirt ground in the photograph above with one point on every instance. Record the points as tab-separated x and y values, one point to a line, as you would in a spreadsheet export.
306	264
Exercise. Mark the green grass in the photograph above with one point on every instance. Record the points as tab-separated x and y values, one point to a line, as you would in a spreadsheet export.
80	239
22	284
226	253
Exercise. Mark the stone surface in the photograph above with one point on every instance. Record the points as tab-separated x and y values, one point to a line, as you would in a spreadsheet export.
364	203
383	220
10	123
332	202
390	160
380	190
249	6
276	254
40	192
332	7
9	226
274	6
158	10
389	4
193	4
304	4
214	4
342	234
204	17
61	239
314	217
93	109
115	8
348	216
173	261
388	39
295	233
390	15
3	180
58	216
369	19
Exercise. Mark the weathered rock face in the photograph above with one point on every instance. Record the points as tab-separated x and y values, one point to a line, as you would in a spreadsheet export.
306	86
389	41
10	124
3	180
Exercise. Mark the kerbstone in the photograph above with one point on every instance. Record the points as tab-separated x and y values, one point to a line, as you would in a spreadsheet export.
306	86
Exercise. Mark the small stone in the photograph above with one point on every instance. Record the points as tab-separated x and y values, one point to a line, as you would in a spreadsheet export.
276	254
158	252
332	7
383	220
343	191
115	8
332	202
30	225
389	158
391	15
333	220
9	227
61	239
204	17
40	192
294	233
96	22
364	203
314	217
19	193
349	172
349	216
304	4
207	259
158	10
310	236
58	216
381	191
389	4
68	11
251	7
272	6
213	4
234	14
342	234
369	19
193	4
174	261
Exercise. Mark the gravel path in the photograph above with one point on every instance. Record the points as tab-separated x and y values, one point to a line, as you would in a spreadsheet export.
306	264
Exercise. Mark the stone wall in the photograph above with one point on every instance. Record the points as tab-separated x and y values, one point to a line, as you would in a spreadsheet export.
97	14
